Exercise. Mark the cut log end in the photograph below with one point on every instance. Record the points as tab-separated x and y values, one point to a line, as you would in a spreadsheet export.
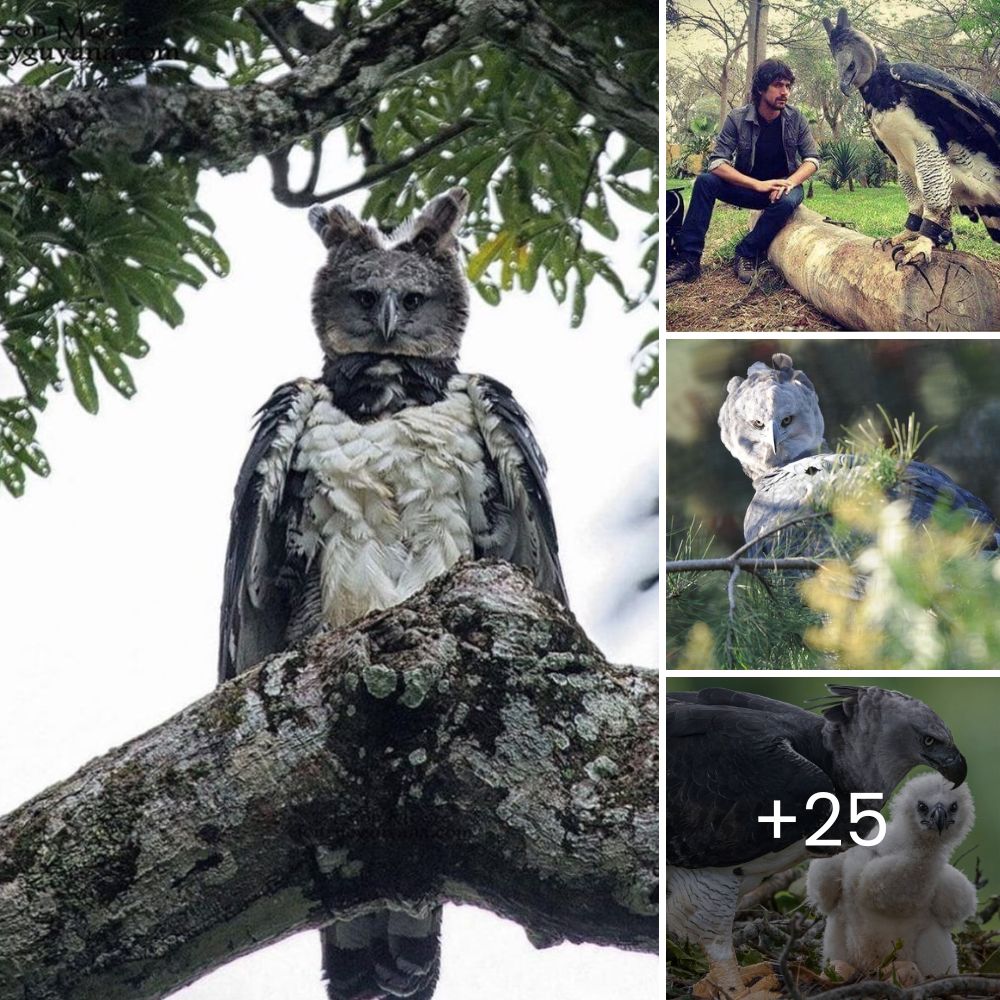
856	283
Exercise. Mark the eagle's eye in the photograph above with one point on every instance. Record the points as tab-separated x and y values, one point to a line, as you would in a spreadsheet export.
413	300
921	807
787	420
757	423
954	807
929	741
364	297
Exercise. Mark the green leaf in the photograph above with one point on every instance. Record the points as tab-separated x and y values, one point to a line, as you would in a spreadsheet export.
579	302
489	292
152	293
487	253
81	373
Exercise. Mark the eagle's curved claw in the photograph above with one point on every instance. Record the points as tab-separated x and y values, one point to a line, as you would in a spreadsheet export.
918	250
897	242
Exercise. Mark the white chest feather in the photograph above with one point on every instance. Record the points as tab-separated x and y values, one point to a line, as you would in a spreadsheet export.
971	176
392	503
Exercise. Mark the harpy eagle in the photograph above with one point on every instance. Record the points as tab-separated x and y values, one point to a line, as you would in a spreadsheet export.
901	890
943	135
771	423
364	484
729	755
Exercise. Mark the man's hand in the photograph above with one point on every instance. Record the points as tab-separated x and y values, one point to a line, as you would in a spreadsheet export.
776	188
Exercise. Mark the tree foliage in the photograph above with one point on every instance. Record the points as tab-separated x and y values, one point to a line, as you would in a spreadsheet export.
95	234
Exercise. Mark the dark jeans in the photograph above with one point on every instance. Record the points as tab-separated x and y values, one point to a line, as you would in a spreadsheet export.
707	188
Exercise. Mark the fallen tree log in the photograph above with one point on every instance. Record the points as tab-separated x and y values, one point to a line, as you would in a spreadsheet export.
840	272
470	745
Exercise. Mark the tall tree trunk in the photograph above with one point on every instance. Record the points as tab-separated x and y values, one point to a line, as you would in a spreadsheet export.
757	34
724	92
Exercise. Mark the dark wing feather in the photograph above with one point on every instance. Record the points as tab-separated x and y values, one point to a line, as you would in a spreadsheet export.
524	531
727	760
255	607
954	110
927	487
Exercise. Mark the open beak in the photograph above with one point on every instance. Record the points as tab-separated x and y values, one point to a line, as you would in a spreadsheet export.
388	314
846	82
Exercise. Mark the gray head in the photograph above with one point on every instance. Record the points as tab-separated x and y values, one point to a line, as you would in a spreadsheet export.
399	294
878	736
771	417
853	52
931	812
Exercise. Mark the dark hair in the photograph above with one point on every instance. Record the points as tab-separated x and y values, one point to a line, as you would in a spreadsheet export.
766	73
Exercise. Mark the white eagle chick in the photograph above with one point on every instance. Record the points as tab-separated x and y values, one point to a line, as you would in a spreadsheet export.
902	889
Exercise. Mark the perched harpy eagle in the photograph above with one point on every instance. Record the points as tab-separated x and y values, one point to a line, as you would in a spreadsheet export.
901	890
771	423
729	755
364	484
943	135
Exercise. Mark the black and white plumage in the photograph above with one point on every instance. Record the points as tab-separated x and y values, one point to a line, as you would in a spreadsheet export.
943	135
771	423
362	485
901	890
730	754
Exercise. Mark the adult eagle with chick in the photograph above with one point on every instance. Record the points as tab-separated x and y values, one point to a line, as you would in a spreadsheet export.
730	755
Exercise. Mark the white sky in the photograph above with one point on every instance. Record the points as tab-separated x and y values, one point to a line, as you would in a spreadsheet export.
112	567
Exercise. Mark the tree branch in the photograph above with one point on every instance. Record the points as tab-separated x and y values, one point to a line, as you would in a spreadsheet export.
308	195
227	128
469	745
752	565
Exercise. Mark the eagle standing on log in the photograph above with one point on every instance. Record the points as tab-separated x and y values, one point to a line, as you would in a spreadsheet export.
943	136
363	485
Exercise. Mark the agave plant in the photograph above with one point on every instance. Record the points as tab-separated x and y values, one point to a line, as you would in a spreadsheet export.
843	160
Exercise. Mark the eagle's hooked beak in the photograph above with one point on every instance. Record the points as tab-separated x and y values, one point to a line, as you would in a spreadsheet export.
772	437
939	817
388	313
847	80
950	763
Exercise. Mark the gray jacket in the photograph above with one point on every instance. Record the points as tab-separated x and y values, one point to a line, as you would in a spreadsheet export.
737	142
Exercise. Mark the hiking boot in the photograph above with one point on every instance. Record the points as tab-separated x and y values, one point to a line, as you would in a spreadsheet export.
745	268
682	269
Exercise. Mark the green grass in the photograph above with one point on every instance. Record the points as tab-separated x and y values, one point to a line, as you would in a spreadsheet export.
876	212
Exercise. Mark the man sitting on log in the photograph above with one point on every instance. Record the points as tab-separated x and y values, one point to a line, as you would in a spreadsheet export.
761	157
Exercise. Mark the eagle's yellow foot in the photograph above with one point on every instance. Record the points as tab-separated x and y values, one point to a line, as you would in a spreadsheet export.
906	236
921	247
753	982
904	973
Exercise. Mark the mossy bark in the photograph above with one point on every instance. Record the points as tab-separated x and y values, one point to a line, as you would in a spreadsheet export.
469	745
227	128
